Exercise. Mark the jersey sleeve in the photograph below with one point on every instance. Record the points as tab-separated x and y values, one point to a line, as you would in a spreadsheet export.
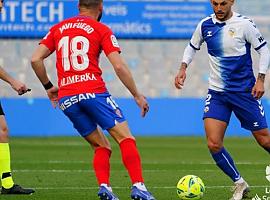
197	38
253	35
109	43
48	40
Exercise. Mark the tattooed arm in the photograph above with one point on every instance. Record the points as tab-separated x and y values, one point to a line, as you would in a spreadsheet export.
258	89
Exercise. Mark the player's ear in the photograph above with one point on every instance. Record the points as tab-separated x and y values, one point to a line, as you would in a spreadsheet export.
100	7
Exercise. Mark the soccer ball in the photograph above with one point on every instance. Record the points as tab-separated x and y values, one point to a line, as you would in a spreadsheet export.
190	187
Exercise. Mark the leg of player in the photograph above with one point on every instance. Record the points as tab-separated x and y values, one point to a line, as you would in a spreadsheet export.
8	186
101	163
131	159
215	131
263	138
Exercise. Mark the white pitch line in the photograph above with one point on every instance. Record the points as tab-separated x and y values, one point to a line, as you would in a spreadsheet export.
52	171
152	163
90	171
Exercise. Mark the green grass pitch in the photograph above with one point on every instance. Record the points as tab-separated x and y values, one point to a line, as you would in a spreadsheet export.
61	168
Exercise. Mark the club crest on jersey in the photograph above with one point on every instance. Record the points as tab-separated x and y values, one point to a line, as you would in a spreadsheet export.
118	112
206	109
232	32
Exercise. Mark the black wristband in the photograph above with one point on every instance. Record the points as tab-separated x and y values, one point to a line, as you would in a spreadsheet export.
48	85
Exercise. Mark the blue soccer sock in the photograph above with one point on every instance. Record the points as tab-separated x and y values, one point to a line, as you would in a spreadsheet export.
225	162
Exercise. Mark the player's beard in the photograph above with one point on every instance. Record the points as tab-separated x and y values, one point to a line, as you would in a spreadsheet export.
100	16
225	15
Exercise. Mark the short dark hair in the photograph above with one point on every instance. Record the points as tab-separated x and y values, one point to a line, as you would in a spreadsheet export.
90	3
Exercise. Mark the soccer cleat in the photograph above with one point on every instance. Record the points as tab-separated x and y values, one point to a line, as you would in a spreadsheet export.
240	191
16	189
105	194
137	194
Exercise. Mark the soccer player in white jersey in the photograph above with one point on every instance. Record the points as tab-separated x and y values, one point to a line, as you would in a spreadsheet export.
232	84
8	186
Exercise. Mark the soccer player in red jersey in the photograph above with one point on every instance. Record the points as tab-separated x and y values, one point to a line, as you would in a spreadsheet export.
83	96
8	186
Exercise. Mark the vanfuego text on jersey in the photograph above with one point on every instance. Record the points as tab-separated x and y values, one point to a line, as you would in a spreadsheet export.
86	27
77	78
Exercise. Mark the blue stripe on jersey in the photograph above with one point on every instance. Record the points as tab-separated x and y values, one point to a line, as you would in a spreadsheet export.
194	47
235	69
212	34
263	44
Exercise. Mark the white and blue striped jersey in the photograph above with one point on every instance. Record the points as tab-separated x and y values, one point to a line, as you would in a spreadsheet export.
229	45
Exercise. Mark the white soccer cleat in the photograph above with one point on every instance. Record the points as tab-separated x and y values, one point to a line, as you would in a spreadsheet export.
240	190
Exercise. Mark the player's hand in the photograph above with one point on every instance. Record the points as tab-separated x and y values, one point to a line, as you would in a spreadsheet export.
53	96
258	89
19	87
142	103
180	78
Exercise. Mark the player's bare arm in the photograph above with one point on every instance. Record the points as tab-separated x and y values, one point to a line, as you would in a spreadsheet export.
53	95
181	76
188	56
37	63
258	89
18	86
124	74
38	66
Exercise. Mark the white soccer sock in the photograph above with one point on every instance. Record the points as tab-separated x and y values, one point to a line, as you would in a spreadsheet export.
106	186
140	186
241	180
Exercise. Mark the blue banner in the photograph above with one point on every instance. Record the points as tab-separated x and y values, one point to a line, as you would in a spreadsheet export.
20	18
136	19
155	19
167	117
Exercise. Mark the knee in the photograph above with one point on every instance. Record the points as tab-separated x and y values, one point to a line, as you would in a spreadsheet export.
4	134
214	147
263	139
97	145
95	148
265	142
